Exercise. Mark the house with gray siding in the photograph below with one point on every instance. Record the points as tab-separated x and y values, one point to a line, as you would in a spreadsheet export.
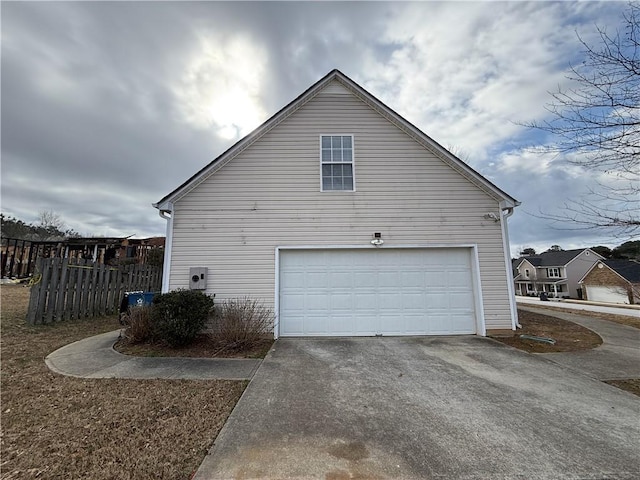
556	273
346	220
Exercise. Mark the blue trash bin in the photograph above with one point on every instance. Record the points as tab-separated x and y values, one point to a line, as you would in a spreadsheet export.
140	299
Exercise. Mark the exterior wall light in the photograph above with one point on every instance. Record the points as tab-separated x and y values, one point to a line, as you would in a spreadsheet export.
492	216
377	240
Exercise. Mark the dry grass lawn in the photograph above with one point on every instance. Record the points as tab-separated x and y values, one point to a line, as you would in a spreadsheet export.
569	336
69	428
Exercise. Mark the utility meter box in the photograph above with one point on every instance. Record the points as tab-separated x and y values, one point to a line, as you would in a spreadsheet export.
198	278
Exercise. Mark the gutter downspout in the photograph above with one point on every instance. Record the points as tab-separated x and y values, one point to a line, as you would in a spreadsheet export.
505	213
168	244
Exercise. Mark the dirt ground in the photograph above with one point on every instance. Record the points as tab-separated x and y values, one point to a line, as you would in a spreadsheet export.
569	336
632	385
69	428
203	347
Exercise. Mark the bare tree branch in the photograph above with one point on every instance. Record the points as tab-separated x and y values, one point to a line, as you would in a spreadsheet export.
598	123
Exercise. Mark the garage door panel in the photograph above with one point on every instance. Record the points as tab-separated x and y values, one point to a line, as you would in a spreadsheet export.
316	279
439	323
392	324
341	301
342	279
315	324
316	303
390	301
414	323
293	302
292	279
459	323
365	324
456	278
340	324
609	294
436	301
413	301
372	292
410	279
460	301
364	280
388	279
434	277
364	302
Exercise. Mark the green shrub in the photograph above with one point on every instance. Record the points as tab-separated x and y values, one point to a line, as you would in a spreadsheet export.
138	325
242	323
179	316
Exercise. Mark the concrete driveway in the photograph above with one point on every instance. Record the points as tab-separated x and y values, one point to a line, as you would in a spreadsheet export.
617	358
424	407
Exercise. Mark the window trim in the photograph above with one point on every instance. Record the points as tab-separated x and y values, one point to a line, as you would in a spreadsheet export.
552	270
352	163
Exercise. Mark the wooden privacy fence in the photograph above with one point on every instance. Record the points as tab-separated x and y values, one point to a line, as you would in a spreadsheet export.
65	288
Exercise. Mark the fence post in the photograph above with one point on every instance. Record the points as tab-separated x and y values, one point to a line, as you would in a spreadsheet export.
44	290
60	310
52	290
34	294
77	301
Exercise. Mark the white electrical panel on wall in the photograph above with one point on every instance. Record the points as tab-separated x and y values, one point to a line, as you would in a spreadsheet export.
198	278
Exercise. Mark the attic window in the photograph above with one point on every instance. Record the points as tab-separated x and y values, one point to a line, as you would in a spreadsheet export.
336	162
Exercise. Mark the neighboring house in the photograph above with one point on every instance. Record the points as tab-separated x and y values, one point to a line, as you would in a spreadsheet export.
556	273
613	281
347	220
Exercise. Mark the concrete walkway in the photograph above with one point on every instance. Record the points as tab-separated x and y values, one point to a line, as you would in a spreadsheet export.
94	357
617	358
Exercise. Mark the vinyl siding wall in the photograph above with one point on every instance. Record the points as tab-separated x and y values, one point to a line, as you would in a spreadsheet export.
269	195
576	269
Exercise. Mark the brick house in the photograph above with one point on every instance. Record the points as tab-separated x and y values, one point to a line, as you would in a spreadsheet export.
612	281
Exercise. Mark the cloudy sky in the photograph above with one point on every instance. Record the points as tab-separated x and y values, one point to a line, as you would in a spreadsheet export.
107	107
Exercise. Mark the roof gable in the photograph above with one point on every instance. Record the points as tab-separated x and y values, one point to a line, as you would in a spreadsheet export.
557	259
336	83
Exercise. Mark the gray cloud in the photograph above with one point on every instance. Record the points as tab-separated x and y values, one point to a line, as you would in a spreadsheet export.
103	104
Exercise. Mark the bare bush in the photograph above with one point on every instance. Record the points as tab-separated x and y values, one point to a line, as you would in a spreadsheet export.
138	325
241	323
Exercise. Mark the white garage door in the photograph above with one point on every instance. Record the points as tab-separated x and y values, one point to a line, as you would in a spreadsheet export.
376	292
607	294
